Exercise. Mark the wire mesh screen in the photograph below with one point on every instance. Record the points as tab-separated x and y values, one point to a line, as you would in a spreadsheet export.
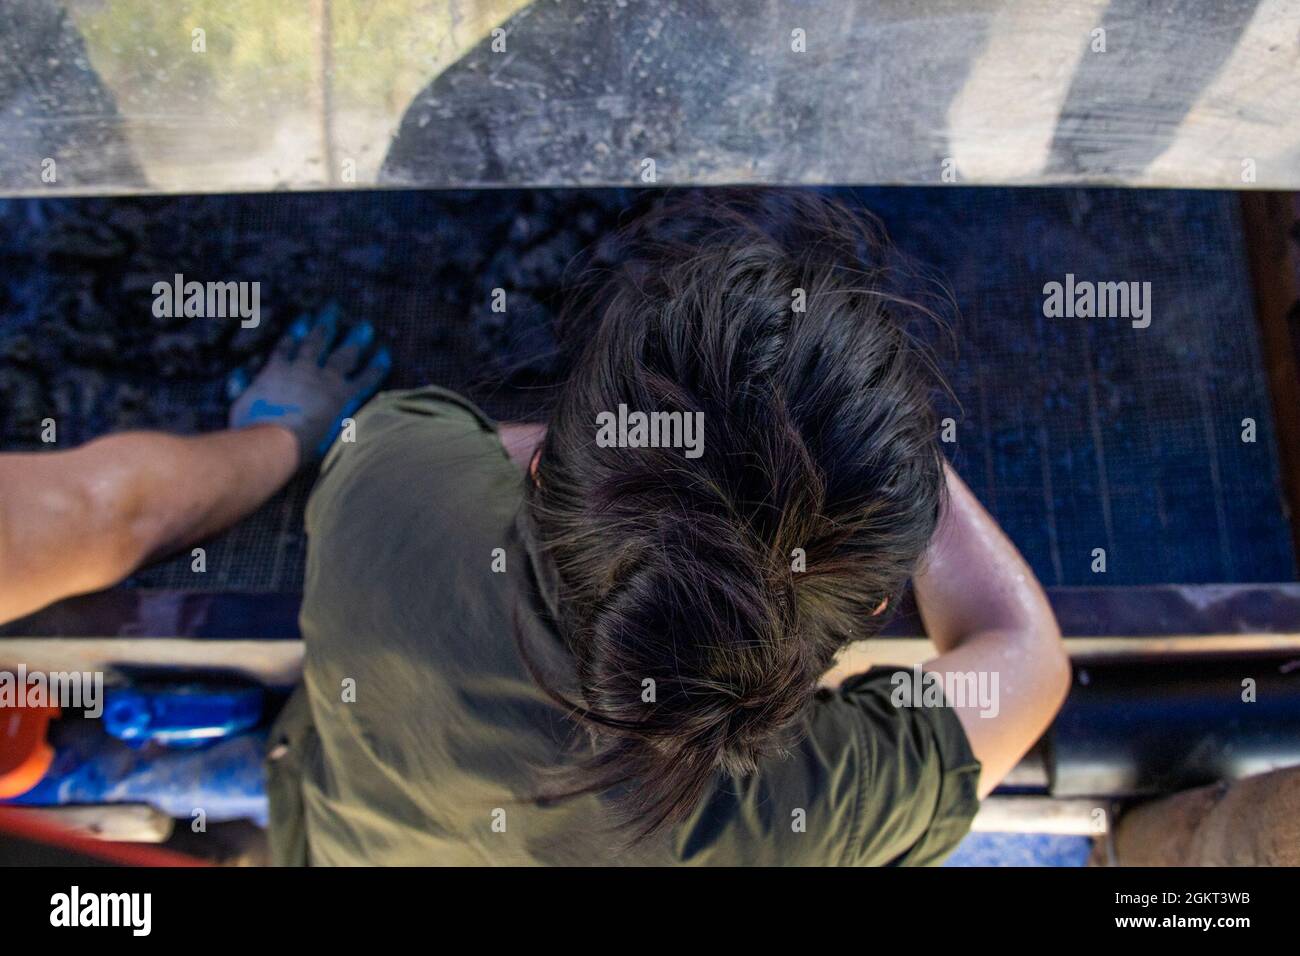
1078	433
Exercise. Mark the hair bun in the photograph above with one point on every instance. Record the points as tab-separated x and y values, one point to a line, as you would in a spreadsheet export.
702	596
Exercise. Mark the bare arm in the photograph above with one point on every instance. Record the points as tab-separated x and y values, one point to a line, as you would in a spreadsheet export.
985	612
80	520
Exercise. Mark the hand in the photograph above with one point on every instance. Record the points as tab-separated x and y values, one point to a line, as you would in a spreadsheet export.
311	383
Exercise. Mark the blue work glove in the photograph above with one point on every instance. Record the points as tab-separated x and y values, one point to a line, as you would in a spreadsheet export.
311	383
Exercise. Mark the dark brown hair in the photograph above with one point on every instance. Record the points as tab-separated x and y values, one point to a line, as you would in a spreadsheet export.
818	435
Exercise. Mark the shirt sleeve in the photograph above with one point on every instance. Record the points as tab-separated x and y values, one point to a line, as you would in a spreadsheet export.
918	776
871	784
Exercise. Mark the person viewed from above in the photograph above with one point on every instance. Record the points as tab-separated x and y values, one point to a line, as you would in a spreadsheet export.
603	640
80	520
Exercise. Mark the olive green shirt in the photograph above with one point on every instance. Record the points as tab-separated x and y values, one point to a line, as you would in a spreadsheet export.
419	737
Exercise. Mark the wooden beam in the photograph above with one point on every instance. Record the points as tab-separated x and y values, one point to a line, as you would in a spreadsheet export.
1269	221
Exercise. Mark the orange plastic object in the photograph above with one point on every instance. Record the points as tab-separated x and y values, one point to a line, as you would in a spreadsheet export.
25	754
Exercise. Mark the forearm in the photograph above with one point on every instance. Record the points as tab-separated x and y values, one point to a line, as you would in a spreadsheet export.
163	492
80	520
76	521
